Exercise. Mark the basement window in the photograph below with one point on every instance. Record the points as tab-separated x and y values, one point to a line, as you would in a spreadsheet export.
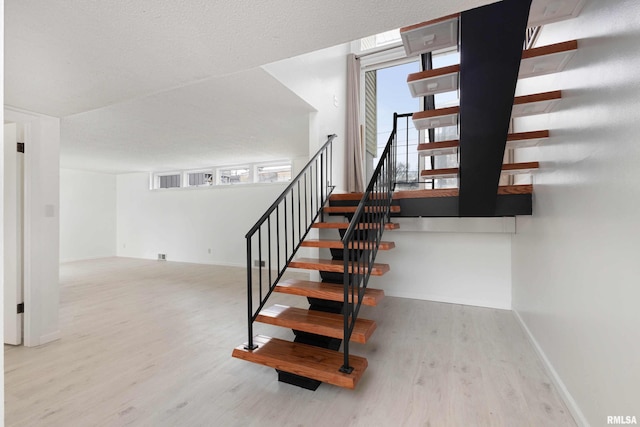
234	175
168	180
280	172
199	179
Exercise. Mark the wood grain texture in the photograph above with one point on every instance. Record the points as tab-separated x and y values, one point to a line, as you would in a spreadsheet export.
315	322
345	225
453	192
327	291
550	49
148	343
538	97
427	23
443	71
436	113
345	196
301	359
337	244
521	136
335	266
439	145
432	172
518	166
352	209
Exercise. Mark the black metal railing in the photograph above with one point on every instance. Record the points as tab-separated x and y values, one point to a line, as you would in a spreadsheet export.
274	240
362	239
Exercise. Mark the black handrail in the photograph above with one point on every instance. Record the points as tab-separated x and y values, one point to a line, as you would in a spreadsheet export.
362	238
287	223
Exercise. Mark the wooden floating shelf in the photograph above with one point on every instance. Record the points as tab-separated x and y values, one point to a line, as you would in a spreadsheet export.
431	82
305	360
432	35
315	322
538	103
544	12
440	117
546	59
326	291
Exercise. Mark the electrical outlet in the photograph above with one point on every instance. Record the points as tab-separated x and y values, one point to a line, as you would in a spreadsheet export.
257	263
162	257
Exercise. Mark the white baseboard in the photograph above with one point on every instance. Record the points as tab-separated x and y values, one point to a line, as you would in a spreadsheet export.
450	300
572	405
44	339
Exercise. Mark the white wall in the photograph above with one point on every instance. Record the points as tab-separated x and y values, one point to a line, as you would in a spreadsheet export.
87	215
443	259
576	273
185	224
41	239
320	78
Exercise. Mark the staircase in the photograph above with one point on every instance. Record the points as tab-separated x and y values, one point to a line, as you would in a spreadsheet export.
330	321
490	41
331	318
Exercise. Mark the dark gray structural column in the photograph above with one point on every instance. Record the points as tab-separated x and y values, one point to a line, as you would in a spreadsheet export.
491	40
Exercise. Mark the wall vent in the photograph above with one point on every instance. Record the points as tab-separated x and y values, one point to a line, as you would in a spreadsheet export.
162	257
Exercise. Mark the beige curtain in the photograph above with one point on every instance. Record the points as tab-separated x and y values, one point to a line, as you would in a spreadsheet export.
355	153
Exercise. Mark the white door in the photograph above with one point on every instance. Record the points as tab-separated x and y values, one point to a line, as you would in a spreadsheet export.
13	184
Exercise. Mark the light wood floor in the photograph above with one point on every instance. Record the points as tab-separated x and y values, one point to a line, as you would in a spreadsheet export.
149	343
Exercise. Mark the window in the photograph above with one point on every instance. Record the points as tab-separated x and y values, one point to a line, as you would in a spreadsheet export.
273	173
199	179
235	175
168	181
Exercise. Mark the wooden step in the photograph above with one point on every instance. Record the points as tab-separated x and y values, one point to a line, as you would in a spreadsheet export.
345	225
301	359
546	59
326	291
507	168
538	103
514	140
315	322
454	192
352	209
345	197
337	244
439	148
432	35
335	266
440	117
431	82
516	168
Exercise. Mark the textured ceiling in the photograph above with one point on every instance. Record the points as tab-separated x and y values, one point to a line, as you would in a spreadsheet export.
103	60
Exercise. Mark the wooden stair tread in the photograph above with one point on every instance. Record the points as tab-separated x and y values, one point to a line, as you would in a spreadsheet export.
326	291
507	167
550	49
429	23
315	322
432	35
514	140
454	192
301	359
364	226
345	196
352	209
337	244
436	113
335	266
537	97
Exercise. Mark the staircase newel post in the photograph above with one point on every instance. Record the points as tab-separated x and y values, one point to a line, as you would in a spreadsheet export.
250	345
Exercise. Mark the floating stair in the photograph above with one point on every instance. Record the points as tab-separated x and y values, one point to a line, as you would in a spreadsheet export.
508	168
315	322
335	266
431	82
326	291
337	244
304	360
546	59
432	35
345	225
352	209
514	140
454	192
